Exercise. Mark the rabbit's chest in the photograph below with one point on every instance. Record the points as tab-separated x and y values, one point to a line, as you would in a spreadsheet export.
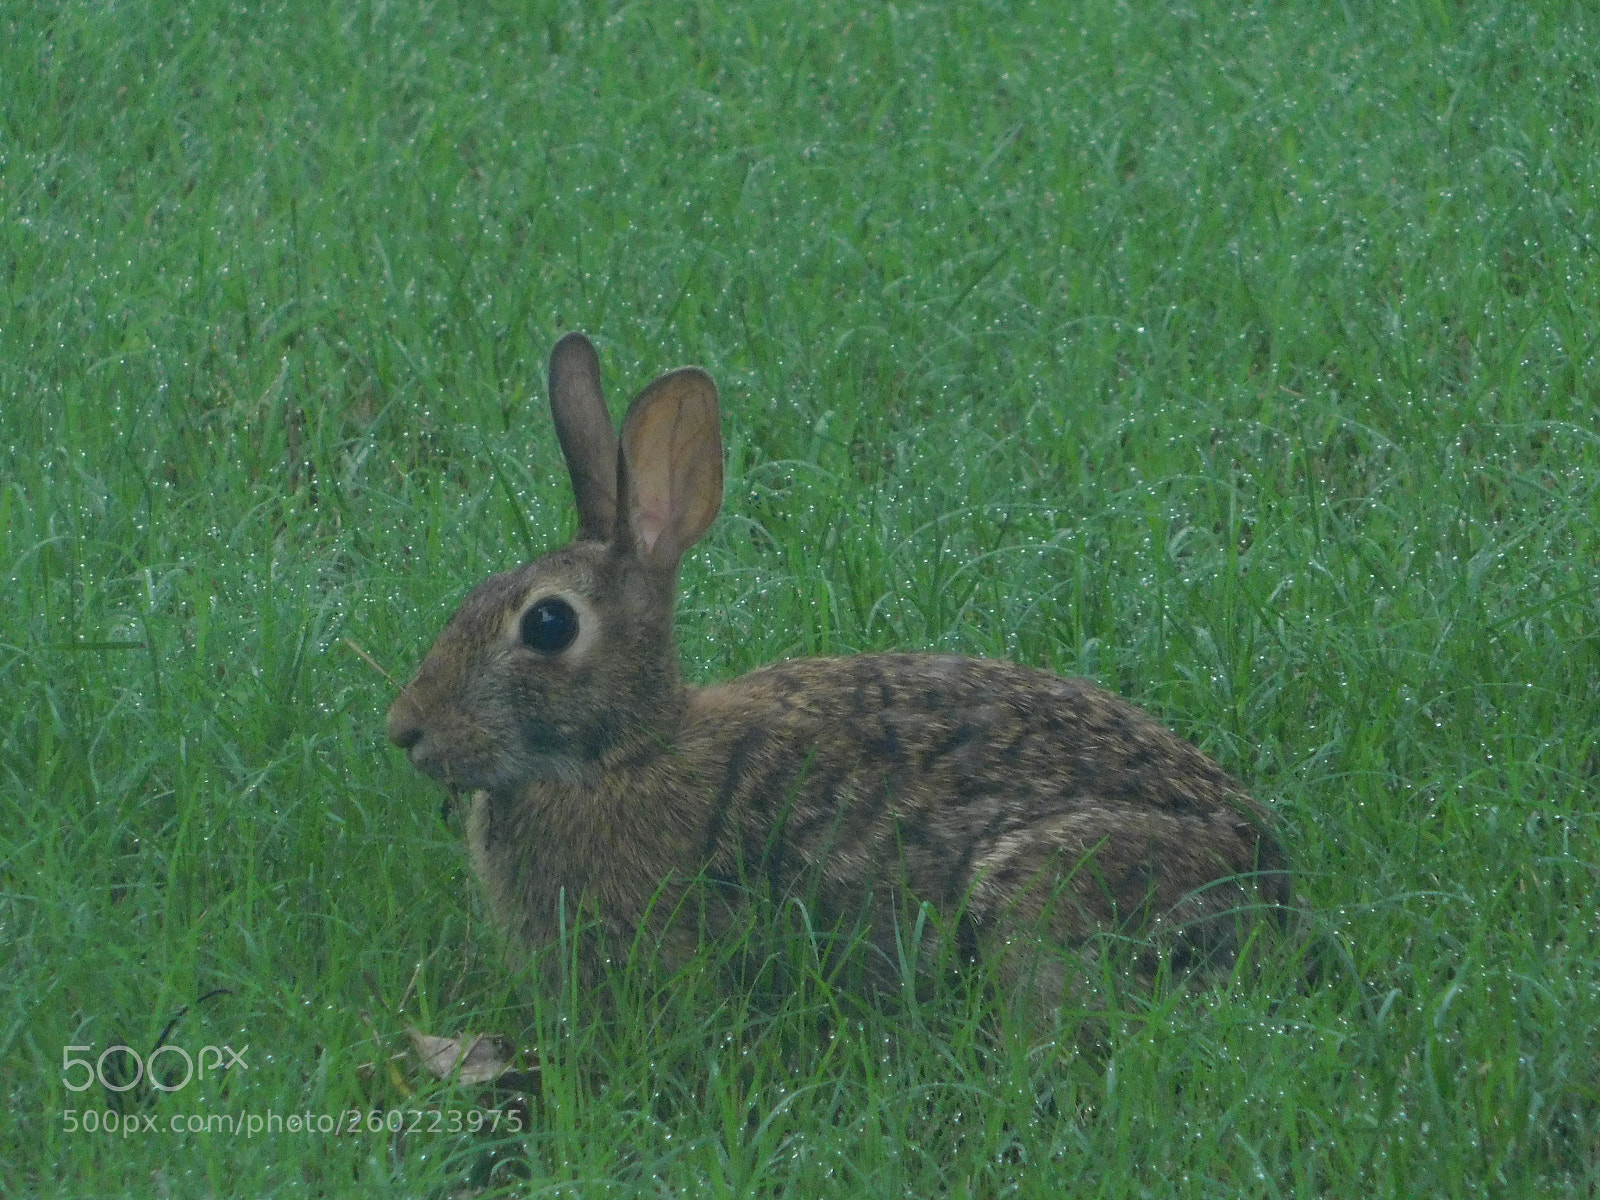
549	856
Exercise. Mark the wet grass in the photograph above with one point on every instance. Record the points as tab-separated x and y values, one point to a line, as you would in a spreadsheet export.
1243	358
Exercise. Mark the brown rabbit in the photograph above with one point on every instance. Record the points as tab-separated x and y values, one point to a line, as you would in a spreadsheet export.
1006	801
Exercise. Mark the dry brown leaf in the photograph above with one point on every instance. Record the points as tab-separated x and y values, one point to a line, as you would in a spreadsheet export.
482	1059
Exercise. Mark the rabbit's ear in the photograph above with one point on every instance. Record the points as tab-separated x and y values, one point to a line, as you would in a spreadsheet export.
670	467
588	441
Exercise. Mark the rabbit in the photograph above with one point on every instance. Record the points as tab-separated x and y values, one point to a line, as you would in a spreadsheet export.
1009	805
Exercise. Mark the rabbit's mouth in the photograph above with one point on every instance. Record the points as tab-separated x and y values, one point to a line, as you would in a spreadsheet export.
500	774
456	777
451	772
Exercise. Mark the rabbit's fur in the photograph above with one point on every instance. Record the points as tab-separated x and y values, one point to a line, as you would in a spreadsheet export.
1008	801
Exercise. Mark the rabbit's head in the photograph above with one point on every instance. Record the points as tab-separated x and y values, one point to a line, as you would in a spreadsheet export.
551	668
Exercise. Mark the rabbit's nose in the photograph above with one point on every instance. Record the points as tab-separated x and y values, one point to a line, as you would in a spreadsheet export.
405	730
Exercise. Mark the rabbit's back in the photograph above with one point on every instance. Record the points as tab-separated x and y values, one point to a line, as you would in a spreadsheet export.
996	792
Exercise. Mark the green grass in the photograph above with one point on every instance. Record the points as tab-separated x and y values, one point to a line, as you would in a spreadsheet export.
1244	358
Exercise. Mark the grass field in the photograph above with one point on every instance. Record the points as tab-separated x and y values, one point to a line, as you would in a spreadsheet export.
1245	358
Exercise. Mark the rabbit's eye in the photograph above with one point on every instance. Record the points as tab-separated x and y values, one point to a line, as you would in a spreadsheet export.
549	626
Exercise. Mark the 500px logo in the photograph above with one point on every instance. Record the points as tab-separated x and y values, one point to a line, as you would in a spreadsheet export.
216	1059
